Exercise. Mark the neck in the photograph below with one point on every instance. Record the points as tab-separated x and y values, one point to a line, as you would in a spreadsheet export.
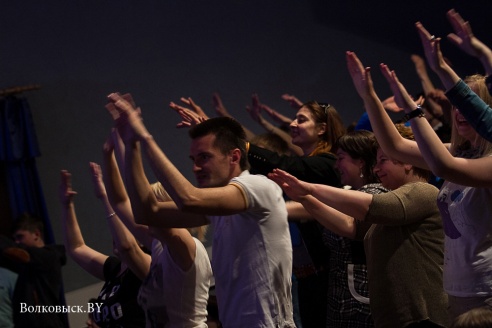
309	149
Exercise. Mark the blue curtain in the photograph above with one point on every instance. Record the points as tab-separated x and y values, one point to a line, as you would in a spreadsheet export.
18	152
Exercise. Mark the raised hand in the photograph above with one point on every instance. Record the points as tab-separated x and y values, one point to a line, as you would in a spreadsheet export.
390	105
219	106
419	65
361	77
294	102
463	36
66	193
97	180
255	109
293	187
190	116
276	116
194	107
402	98
439	97
432	49
127	117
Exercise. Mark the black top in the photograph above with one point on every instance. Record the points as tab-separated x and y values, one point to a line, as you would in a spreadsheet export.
119	298
39	283
313	169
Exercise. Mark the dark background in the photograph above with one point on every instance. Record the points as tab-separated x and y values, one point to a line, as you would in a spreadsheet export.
80	51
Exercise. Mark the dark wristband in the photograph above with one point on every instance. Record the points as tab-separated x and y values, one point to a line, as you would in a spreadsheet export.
417	112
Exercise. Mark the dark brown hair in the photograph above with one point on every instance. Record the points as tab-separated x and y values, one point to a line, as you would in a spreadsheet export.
327	114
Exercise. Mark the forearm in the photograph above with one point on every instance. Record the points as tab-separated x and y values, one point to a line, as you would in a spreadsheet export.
485	56
388	137
143	201
71	231
447	75
297	212
333	220
350	202
179	188
473	108
119	200
425	80
128	248
435	153
269	127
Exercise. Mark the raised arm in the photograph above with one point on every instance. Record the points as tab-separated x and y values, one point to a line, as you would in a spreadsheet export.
352	203
129	250
275	115
470	172
255	113
189	116
293	101
333	220
390	140
464	39
116	191
89	259
421	70
479	114
221	110
212	201
435	58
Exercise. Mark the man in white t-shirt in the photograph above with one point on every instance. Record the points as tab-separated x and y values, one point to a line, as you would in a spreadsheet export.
252	252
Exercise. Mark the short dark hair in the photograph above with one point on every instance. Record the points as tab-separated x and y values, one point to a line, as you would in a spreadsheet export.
361	144
30	223
229	135
271	141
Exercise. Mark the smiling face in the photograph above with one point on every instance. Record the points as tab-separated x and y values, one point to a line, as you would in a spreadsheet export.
350	169
305	132
392	174
463	128
211	167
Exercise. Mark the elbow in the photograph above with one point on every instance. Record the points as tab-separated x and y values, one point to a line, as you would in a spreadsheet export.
441	170
188	204
126	248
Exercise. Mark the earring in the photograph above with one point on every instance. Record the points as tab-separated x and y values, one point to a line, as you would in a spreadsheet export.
361	174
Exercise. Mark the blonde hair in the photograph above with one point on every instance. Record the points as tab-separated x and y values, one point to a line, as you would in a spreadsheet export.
162	196
475	318
459	144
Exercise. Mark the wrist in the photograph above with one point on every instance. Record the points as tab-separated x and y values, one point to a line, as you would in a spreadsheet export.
146	137
110	215
417	112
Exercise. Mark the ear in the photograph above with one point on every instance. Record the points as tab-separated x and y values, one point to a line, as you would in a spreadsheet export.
37	234
408	167
321	129
235	156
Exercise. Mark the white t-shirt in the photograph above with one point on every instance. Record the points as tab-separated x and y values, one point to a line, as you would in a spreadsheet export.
467	220
252	258
172	297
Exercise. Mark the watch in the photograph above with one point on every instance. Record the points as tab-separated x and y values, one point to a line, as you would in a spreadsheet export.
417	112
